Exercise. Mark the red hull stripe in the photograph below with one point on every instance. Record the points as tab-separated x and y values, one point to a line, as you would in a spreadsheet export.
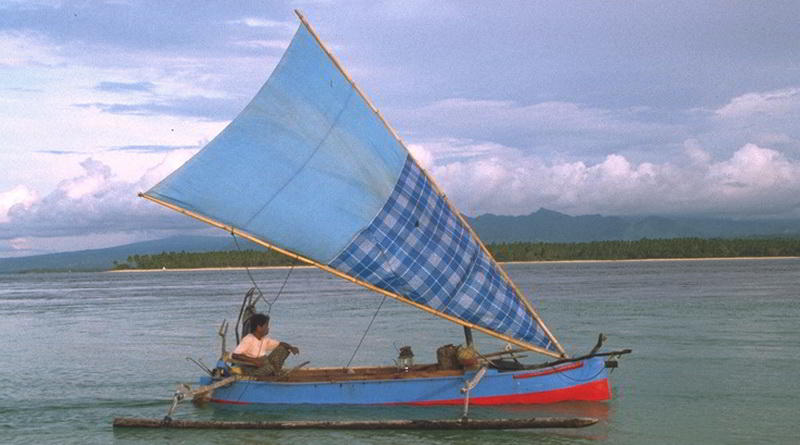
575	365
230	402
597	390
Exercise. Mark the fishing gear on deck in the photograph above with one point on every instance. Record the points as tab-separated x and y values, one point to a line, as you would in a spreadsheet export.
245	312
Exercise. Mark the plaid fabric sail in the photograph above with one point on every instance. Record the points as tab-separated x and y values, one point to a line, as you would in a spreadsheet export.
310	168
418	248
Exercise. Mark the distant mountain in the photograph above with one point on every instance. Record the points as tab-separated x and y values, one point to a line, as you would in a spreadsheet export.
540	226
103	259
549	226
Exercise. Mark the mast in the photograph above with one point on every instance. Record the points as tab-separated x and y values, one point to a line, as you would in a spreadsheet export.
528	306
468	337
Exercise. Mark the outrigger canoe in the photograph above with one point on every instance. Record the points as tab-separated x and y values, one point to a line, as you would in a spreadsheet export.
423	385
311	169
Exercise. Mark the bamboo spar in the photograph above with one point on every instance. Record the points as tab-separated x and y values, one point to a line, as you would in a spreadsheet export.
531	310
326	268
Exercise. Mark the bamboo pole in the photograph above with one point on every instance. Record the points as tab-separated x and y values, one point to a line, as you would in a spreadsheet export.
533	312
205	390
445	424
396	296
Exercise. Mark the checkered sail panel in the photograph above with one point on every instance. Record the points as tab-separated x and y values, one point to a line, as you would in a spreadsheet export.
418	248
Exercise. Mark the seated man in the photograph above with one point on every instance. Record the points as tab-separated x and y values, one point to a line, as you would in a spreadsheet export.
261	351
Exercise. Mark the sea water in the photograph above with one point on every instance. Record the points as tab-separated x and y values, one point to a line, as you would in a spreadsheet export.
716	351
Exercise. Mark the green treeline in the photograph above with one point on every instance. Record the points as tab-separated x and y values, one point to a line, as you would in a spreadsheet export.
647	249
598	250
193	260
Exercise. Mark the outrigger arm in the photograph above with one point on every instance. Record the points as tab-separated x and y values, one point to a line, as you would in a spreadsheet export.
223	329
468	387
183	391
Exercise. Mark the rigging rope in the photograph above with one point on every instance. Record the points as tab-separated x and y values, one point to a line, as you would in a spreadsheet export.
255	286
247	269
373	316
365	332
285	280
584	380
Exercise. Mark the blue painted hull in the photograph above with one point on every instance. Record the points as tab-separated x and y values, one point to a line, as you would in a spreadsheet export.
583	380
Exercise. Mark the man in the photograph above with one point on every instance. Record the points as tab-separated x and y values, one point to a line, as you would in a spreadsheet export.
267	354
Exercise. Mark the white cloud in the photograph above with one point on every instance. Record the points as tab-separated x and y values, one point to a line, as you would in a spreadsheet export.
550	129
258	22
18	196
257	44
18	49
754	181
168	163
769	102
451	149
96	202
695	152
19	244
20	247
422	155
51	194
766	119
539	117
40	116
96	177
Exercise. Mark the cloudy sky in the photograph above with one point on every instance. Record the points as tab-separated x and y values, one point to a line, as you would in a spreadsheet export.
610	107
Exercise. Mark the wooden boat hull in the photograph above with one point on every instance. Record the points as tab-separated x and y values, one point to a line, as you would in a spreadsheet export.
582	380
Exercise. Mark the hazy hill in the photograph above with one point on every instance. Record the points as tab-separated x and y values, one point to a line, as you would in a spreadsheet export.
540	226
103	259
549	226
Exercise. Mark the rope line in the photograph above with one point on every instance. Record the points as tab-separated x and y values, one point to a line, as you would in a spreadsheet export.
583	380
285	280
365	332
255	286
252	280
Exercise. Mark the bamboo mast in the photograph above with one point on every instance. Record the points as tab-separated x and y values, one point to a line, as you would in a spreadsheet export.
533	312
326	268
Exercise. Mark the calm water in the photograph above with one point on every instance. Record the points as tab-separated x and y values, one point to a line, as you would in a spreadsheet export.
716	351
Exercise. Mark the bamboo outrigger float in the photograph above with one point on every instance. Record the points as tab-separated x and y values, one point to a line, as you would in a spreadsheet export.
311	169
445	424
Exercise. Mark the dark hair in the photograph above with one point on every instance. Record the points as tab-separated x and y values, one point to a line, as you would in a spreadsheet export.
257	320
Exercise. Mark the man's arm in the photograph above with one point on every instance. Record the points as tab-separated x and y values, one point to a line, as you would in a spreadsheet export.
247	359
290	348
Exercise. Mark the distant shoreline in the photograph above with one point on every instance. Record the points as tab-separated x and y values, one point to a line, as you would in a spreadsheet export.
236	268
660	260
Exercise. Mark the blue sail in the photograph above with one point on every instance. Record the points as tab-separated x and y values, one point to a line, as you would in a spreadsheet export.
310	168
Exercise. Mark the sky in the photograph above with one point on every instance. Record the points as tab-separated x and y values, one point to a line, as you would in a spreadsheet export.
688	108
